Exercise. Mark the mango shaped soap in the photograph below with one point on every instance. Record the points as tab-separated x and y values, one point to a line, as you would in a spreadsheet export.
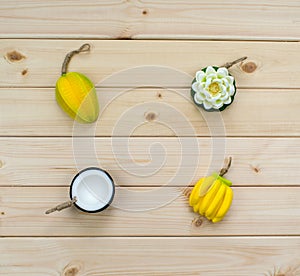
76	94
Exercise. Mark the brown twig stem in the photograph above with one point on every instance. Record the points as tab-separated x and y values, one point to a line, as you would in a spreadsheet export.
224	170
84	48
229	64
61	206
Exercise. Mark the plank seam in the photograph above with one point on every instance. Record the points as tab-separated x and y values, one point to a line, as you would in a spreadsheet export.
159	236
145	38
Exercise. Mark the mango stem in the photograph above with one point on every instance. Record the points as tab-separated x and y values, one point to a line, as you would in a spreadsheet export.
84	48
229	64
224	170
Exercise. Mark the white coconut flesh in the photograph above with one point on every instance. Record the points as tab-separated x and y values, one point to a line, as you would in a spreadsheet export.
93	189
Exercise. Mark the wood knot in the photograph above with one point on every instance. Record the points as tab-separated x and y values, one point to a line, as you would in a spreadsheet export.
249	67
24	72
197	222
255	169
125	34
14	56
144	12
72	269
159	95
2	213
187	191
150	116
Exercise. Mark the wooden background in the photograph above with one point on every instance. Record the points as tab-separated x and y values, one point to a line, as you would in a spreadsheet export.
145	53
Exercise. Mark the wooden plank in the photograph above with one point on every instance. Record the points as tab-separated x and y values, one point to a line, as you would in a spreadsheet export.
148	63
152	112
253	19
149	212
141	162
240	256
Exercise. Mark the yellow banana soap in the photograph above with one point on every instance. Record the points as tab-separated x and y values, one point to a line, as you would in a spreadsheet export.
76	94
212	196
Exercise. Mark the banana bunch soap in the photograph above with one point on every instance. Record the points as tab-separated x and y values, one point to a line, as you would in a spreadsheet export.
76	94
212	196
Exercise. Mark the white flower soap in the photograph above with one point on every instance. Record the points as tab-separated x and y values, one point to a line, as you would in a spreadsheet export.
213	88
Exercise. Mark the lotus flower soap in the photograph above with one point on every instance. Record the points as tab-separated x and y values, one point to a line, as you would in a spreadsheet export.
213	88
76	94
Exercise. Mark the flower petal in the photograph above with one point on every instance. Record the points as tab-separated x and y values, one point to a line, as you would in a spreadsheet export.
216	97
196	86
222	72
200	75
231	90
228	101
207	105
230	79
216	80
207	94
208	82
223	88
196	99
225	82
199	98
218	104
210	70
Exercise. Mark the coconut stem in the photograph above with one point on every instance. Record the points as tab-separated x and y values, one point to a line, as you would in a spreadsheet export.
84	48
223	171
229	64
61	206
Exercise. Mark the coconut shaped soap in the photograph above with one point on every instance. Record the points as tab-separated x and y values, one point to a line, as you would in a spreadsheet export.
213	88
92	190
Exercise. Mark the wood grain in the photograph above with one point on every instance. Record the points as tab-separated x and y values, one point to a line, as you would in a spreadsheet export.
266	20
152	112
149	212
124	63
149	161
143	86
239	256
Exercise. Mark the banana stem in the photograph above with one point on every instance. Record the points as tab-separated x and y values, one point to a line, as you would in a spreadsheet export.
61	206
84	48
229	64
224	170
